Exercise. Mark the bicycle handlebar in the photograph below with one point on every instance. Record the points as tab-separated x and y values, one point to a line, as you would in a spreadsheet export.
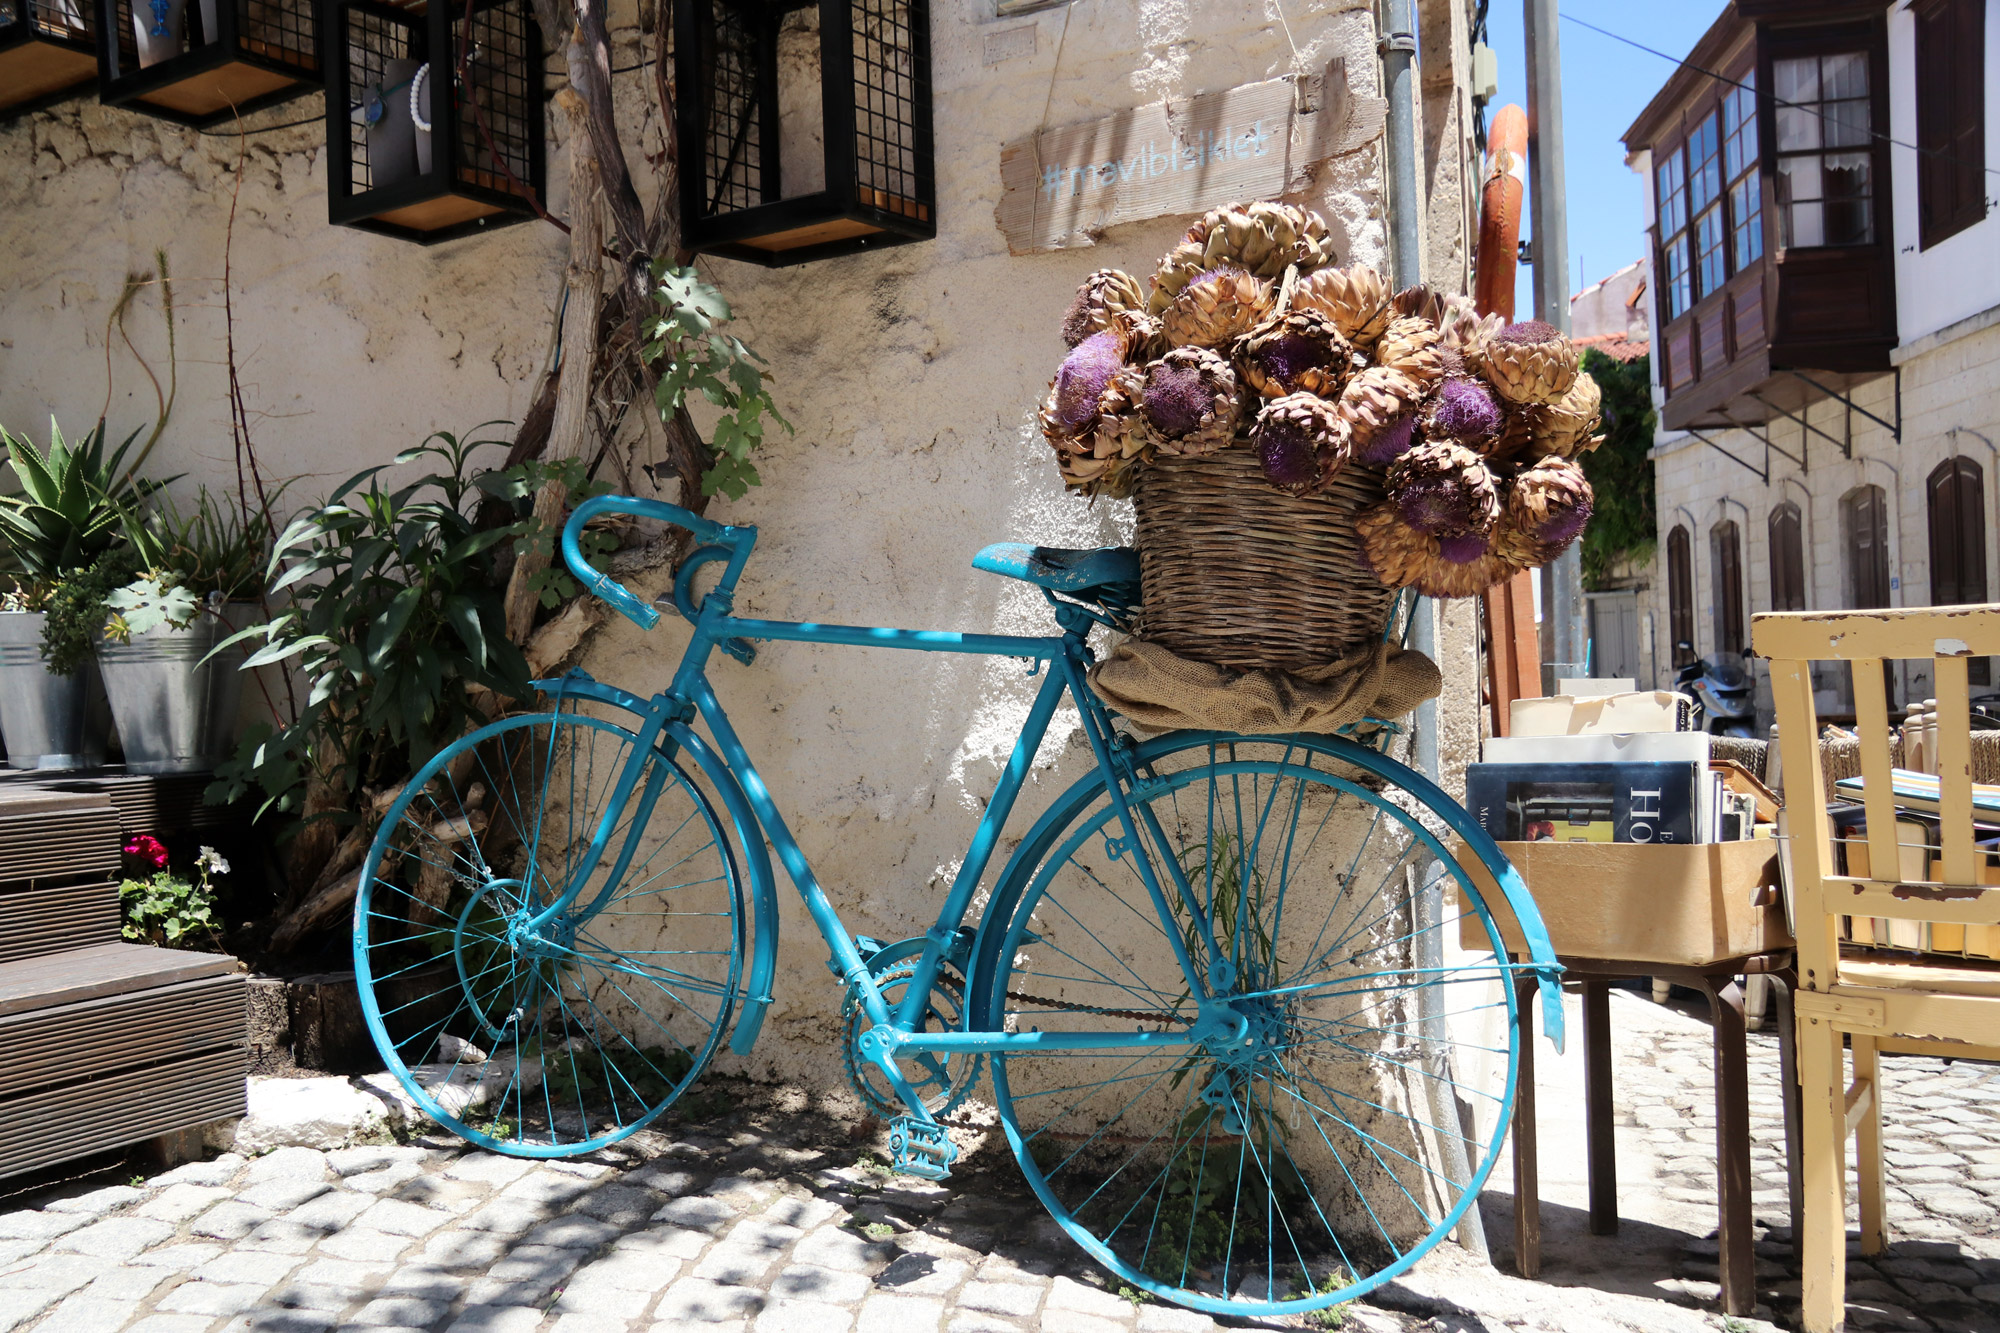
626	602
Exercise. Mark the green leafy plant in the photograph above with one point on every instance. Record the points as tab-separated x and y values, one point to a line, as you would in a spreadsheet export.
169	910
1623	525
147	603
395	622
553	585
878	1231
1332	1316
698	357
214	550
71	505
76	608
64	533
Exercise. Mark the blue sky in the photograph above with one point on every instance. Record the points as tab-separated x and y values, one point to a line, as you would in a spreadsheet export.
1605	86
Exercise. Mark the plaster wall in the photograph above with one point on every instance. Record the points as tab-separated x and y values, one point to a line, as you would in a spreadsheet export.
1959	277
910	374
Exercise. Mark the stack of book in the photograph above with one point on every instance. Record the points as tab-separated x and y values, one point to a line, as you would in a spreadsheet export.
1613	769
1918	862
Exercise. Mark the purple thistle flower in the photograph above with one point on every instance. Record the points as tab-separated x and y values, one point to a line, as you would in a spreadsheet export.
1083	376
1462	549
1287	454
1466	410
1391	442
1287	357
1175	399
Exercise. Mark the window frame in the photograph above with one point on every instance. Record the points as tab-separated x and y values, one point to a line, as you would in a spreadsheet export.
1725	558
1951	83
1820	47
1746	225
1680	596
1960	482
1707	250
1784	528
1858	596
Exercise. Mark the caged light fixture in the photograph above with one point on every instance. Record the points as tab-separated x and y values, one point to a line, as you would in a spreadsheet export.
201	62
805	127
48	50
434	116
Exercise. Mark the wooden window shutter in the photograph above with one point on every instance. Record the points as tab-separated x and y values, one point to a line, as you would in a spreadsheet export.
1951	117
1868	547
1680	594
1956	508
1788	565
1728	544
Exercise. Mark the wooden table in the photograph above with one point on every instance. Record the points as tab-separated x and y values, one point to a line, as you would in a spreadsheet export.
1732	1107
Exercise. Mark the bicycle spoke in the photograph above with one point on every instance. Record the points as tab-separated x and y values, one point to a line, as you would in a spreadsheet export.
574	1028
1291	1153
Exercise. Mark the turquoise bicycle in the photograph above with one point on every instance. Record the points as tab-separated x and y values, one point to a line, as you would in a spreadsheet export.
1212	1003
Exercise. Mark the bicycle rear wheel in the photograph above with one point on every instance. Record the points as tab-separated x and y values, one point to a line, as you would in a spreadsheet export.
1303	1160
529	1033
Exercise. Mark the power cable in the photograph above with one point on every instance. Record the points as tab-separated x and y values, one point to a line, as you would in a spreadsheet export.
233	132
1813	108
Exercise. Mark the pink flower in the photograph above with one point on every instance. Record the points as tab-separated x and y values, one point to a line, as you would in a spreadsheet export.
148	849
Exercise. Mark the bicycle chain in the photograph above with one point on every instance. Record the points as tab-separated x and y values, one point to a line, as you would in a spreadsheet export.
963	1122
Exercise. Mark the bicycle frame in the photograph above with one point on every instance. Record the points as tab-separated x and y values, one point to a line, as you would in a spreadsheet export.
1066	658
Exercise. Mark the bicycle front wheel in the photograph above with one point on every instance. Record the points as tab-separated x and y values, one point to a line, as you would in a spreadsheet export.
1299	1154
536	1032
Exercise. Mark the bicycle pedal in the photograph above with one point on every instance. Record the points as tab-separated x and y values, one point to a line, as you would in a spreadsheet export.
920	1148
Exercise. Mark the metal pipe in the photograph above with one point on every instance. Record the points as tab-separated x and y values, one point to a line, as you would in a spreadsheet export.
1407	211
1549	217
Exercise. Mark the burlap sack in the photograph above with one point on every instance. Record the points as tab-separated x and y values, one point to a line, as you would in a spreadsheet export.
1160	691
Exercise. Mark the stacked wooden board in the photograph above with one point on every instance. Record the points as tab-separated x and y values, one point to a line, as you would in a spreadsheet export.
103	1044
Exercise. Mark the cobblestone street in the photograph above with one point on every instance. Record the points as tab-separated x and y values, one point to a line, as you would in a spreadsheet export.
773	1216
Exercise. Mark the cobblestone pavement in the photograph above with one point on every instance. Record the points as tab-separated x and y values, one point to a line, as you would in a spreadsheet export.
1941	1143
768	1218
1941	1127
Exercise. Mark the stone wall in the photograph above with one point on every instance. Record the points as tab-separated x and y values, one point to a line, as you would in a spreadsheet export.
910	374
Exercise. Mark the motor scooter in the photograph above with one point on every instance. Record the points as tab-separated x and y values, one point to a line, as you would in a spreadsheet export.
1724	695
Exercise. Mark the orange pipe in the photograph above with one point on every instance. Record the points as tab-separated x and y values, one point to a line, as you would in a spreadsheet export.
1514	667
1505	182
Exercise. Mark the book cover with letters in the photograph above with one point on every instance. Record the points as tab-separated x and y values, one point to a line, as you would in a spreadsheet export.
1645	803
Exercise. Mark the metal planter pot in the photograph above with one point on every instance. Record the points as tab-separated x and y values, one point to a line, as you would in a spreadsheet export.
48	721
176	713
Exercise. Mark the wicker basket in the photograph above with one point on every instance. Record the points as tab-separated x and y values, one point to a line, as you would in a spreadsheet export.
1240	575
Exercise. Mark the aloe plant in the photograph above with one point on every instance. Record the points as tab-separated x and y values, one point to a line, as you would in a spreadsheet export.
69	510
212	549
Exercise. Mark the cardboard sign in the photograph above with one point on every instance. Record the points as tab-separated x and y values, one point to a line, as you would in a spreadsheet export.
1064	186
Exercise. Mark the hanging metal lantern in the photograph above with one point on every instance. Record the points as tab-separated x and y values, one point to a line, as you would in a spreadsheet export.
825	151
201	62
48	50
434	117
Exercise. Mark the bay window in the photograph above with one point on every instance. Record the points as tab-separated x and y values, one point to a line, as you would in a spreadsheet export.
1825	147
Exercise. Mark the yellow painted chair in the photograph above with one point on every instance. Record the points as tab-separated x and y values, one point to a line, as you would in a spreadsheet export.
1877	1003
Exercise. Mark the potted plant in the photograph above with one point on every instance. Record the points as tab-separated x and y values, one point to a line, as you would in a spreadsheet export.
173	695
57	533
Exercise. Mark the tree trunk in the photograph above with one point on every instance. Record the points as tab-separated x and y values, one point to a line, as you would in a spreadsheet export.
585	297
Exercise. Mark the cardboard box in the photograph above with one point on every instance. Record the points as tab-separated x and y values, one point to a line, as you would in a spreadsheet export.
1687	906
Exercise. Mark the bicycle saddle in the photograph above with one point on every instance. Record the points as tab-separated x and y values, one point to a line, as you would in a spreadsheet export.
1109	573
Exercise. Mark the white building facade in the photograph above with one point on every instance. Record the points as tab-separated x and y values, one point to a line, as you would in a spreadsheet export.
1827	361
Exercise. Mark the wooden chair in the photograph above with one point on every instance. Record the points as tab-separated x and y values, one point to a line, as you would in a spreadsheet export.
1911	1004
